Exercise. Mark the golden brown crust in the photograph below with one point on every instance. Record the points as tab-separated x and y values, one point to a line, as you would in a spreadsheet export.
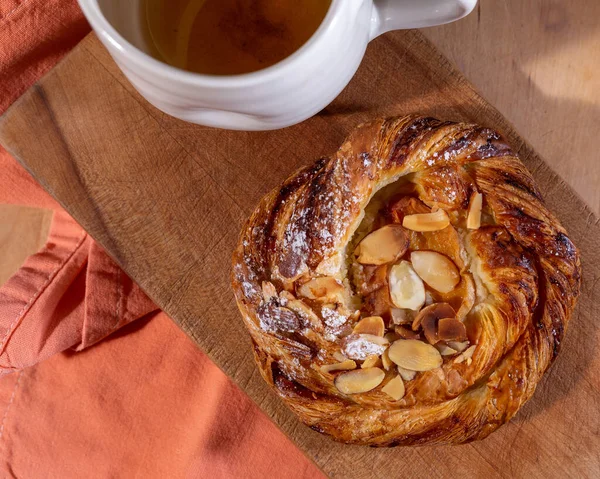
526	269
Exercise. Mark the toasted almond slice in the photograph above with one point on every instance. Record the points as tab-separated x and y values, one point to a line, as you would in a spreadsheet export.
459	346
429	325
324	288
436	311
428	298
415	355
474	215
445	350
386	361
428	319
406	288
371	278
382	246
359	380
400	316
391	336
361	346
406	374
466	355
394	388
343	366
275	318
438	271
434	221
286	296
306	314
451	329
406	333
372	361
372	325
339	356
268	290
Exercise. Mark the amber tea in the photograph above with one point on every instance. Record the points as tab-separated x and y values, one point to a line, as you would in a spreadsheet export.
229	37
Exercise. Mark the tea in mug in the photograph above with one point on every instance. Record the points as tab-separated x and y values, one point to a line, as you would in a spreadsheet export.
229	37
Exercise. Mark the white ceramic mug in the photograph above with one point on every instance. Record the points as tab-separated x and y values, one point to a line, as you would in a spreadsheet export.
279	96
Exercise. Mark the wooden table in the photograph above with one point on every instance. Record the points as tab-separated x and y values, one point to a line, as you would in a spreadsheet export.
174	237
538	63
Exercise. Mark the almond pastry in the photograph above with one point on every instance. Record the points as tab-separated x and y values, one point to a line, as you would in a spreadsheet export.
412	288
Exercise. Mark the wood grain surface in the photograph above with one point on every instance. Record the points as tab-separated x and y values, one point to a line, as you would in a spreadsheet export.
167	200
23	231
537	62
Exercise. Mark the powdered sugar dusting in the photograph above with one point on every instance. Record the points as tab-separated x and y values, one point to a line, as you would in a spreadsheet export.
297	242
332	318
249	288
358	347
273	318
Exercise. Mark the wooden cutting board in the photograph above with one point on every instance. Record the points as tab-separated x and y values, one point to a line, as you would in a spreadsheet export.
167	200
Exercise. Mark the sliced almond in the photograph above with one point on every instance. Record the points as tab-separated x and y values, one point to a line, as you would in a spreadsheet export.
435	221
436	311
372	325
406	333
430	330
429	317
324	288
474	215
338	356
306	314
406	288
286	296
359	380
415	355
445	350
466	355
428	298
343	366
372	361
437	270
371	278
459	346
406	374
391	337
400	316
386	361
384	245
361	346
451	329
275	318
268	290
394	388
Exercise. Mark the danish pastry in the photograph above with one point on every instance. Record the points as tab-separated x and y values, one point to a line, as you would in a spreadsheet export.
412	288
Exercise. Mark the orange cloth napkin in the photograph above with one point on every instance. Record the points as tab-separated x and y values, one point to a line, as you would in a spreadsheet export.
78	399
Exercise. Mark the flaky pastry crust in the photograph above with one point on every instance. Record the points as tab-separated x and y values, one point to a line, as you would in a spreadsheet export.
519	282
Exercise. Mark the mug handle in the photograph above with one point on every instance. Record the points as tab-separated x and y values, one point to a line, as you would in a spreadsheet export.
401	14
